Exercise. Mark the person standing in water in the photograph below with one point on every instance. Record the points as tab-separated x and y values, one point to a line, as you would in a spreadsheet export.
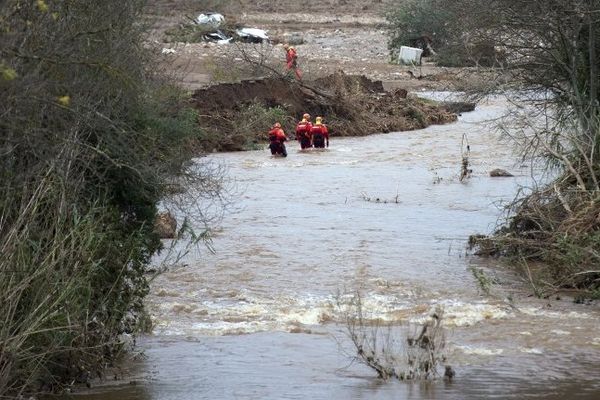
303	132
277	138
319	134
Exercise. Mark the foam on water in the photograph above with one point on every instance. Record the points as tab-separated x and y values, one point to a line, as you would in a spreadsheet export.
480	351
531	350
540	312
285	313
458	313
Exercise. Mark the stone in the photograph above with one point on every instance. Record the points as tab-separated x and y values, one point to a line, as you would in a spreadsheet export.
165	225
500	173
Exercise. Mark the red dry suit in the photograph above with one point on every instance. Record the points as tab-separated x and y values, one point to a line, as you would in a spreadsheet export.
291	61
320	135
303	133
276	139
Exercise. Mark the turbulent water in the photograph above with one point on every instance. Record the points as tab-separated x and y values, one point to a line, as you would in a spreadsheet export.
385	215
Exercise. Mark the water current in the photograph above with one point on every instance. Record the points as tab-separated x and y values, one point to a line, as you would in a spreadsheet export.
385	215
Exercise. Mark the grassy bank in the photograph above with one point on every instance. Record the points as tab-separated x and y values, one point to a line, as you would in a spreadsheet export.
90	138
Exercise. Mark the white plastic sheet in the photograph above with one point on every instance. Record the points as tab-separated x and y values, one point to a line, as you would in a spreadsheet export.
212	19
253	32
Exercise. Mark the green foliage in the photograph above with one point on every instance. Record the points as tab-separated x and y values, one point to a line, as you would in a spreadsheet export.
453	26
89	140
248	131
410	19
255	121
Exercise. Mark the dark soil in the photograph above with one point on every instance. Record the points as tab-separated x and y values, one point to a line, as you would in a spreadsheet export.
351	106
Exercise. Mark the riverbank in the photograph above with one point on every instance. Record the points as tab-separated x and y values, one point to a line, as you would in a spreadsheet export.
237	116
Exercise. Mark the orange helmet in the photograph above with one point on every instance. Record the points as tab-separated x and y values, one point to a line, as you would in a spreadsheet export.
277	125
306	116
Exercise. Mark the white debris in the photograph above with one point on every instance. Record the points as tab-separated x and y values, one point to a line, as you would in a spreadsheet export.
218	36
166	50
409	55
212	19
252	34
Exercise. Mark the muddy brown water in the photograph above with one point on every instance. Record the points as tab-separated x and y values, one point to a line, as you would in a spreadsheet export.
255	320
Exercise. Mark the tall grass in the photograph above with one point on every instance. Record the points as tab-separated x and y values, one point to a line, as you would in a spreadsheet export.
91	139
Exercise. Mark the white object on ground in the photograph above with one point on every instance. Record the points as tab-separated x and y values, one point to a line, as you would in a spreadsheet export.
168	51
213	19
409	55
253	32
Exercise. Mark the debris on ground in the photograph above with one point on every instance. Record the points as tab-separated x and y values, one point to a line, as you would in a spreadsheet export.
211	19
218	36
409	55
252	35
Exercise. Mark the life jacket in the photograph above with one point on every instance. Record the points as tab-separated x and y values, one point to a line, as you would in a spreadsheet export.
303	128
277	135
318	130
290	58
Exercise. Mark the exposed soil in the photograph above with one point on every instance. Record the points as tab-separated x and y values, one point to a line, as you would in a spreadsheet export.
351	106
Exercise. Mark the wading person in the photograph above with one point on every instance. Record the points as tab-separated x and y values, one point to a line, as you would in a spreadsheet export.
291	61
319	134
303	132
276	140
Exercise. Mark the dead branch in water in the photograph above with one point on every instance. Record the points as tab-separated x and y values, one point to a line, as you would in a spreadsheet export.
417	356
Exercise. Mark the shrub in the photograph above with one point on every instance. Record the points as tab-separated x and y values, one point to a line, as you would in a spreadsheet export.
90	140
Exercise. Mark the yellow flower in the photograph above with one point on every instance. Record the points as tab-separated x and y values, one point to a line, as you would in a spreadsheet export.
64	100
42	6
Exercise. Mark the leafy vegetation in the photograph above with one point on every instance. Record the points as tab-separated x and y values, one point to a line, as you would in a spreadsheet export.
90	139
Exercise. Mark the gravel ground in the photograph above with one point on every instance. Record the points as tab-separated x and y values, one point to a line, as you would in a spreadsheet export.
346	37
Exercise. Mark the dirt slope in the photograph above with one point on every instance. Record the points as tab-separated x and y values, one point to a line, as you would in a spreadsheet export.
351	106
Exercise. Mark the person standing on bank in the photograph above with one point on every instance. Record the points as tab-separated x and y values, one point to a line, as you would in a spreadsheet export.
291	61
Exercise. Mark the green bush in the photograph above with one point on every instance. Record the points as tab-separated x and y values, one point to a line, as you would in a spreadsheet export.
410	19
454	27
90	139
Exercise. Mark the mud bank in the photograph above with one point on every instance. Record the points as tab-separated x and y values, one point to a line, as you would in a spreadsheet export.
352	106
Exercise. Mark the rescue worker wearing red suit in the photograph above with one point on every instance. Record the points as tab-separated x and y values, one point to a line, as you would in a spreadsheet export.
291	60
303	129
319	134
276	140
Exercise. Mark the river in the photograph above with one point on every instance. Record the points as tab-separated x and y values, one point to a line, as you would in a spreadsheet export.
385	215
